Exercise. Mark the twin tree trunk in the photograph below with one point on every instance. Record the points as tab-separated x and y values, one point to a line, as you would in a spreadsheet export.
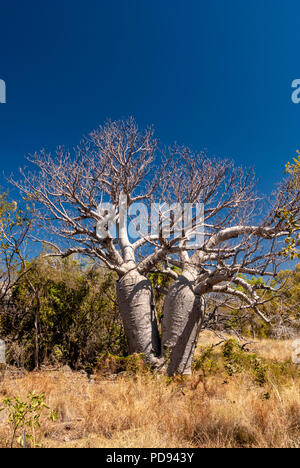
182	320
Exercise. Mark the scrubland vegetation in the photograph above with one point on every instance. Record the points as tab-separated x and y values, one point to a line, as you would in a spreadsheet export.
235	398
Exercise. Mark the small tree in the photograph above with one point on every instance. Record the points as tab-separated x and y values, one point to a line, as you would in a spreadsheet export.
15	226
24	416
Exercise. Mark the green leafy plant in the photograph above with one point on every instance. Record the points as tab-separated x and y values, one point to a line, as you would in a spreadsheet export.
25	416
290	222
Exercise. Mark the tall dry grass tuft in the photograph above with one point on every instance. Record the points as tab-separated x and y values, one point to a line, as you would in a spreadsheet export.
206	410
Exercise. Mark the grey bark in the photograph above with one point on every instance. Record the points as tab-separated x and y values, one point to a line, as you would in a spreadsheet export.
136	302
182	320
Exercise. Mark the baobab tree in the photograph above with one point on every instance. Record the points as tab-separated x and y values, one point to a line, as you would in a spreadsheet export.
118	170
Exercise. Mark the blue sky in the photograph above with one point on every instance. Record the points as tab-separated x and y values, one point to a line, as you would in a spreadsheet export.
214	75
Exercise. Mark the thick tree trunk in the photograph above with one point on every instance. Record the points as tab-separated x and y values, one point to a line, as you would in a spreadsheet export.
36	331
182	320
136	302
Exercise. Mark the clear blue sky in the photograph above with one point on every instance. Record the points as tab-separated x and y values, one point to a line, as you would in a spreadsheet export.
211	74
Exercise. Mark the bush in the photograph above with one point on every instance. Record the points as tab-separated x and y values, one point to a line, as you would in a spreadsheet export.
62	312
232	359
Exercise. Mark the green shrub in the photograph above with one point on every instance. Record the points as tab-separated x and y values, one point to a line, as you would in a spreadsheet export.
24	417
75	306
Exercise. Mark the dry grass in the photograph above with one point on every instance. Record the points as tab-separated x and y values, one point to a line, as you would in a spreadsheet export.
149	411
278	350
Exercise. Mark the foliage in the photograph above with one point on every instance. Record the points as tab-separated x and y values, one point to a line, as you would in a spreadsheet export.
130	365
236	360
232	359
25	416
290	223
76	313
15	224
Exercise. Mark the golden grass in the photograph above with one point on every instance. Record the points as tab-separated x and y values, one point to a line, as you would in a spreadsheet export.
150	411
278	350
